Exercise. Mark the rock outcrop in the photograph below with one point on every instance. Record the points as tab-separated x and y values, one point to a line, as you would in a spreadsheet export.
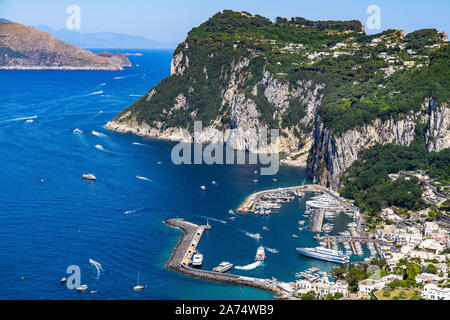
23	47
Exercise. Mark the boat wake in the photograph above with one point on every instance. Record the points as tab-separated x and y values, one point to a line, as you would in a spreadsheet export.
250	266
98	134
22	118
133	211
97	266
95	93
140	144
144	178
213	219
130	76
135	95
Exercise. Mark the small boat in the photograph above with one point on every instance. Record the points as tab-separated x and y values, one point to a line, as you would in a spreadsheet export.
89	176
63	280
223	267
213	182
260	254
274	180
76	130
203	188
197	260
82	288
42	180
255	181
272	250
301	222
265	228
294	236
138	287
230	211
159	162
256	236
93	292
255	172
232	218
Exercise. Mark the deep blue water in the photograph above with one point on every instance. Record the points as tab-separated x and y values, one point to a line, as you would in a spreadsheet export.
67	221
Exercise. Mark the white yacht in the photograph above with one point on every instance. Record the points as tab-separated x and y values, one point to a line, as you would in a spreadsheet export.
197	260
223	267
89	176
138	287
82	288
325	254
260	254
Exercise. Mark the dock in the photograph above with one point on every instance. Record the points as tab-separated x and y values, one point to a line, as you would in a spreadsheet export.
316	225
186	246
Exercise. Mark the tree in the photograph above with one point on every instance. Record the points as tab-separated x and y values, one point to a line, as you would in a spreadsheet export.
431	268
311	295
402	295
338	295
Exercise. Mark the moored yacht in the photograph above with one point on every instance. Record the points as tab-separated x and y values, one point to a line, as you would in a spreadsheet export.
197	260
325	254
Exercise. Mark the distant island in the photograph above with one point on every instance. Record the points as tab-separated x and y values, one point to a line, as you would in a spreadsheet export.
103	40
25	48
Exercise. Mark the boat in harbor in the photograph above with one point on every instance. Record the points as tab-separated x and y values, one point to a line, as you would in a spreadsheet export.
230	211
203	188
294	236
260	254
223	267
272	250
265	228
301	222
138	287
325	254
197	260
89	176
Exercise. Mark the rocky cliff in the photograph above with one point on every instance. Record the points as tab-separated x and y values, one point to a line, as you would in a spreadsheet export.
330	89
332	154
23	47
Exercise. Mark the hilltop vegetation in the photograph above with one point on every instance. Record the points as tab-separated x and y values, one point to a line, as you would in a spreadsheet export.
365	76
367	181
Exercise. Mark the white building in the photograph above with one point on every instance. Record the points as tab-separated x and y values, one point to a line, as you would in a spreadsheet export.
322	287
365	287
424	277
431	245
433	292
430	228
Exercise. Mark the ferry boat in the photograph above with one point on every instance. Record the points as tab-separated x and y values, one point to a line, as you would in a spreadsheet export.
325	254
223	267
197	260
89	176
260	254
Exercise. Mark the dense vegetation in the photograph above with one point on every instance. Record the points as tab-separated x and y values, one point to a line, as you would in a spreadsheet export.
367	181
356	87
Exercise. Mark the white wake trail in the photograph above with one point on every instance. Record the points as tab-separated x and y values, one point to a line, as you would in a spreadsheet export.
250	266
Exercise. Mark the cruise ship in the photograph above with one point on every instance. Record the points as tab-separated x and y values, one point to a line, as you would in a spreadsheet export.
325	254
260	254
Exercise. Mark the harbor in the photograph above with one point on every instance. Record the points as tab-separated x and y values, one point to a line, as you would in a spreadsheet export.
186	246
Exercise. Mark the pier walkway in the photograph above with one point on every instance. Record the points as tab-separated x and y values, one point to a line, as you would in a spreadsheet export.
316	225
181	255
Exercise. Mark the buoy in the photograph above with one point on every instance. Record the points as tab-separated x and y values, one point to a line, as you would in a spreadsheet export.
203	187
22	277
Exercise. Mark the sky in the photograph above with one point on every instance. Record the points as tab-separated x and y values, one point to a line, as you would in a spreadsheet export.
169	21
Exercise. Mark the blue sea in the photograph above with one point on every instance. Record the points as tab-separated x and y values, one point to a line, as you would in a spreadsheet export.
65	220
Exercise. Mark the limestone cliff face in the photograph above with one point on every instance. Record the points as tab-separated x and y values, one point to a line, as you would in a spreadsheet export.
243	112
332	154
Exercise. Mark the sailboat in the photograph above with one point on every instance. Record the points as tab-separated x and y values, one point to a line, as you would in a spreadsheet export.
138	286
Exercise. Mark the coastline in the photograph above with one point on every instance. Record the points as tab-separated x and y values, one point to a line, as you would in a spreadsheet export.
177	135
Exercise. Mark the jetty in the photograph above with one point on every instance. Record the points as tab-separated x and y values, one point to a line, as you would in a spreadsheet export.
250	203
316	225
186	247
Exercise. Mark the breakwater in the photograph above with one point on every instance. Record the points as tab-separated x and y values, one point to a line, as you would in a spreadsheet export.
177	261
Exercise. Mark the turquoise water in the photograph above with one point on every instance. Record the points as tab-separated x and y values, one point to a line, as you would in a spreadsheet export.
66	221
